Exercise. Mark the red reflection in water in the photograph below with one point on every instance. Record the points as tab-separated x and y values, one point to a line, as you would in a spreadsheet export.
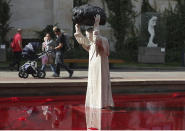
157	111
22	118
14	99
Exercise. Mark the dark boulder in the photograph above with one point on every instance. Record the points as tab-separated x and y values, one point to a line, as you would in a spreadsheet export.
84	15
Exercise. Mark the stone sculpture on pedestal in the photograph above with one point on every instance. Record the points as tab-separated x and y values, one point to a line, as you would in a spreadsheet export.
151	24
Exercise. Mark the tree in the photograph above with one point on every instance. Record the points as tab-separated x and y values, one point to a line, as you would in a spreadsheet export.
146	7
5	17
175	28
80	2
122	21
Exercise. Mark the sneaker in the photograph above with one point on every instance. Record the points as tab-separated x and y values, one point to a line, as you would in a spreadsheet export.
71	74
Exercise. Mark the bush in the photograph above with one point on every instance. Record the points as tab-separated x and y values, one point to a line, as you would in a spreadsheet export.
175	28
146	7
79	2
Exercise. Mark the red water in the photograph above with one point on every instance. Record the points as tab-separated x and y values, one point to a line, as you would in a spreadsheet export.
157	111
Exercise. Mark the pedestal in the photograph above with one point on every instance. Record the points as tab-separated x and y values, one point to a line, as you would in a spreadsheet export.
151	55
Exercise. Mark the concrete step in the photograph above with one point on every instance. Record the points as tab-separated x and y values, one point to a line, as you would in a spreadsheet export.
72	88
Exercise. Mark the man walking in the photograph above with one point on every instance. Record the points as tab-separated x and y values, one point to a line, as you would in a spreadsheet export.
16	46
59	60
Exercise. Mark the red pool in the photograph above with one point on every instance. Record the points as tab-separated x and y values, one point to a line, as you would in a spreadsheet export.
141	112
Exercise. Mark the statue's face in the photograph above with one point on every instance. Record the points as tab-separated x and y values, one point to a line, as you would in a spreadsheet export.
153	21
89	35
154	18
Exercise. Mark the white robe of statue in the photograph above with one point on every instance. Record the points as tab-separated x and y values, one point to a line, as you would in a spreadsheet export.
98	119
99	93
151	24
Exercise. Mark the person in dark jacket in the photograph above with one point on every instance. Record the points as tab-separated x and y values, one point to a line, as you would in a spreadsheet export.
59	60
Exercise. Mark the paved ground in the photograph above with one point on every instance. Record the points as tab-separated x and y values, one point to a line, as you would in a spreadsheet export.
81	75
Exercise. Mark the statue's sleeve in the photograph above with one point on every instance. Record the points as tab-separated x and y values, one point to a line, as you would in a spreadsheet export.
106	47
82	40
101	42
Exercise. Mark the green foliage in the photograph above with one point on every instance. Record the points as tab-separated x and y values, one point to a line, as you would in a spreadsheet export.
4	18
130	48
121	20
80	2
77	51
146	7
47	29
175	28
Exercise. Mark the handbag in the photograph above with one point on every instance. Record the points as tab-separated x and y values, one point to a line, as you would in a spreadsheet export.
45	59
50	59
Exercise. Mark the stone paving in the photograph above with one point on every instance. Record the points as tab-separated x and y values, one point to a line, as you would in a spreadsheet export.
81	76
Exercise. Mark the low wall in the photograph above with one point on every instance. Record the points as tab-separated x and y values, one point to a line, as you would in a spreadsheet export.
74	88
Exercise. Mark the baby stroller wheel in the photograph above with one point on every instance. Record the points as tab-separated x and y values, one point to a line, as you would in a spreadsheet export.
41	74
25	75
21	73
34	74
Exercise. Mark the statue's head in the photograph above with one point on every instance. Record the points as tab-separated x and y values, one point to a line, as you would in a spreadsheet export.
89	33
153	21
154	18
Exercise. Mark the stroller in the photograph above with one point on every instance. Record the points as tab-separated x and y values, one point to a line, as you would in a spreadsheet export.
30	67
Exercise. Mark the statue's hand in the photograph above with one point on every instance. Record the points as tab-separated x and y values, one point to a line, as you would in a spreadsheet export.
97	19
77	28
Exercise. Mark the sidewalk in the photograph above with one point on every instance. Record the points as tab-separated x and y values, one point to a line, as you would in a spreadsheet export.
116	74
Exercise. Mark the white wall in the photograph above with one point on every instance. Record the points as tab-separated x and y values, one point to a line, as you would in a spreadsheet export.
62	11
34	15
